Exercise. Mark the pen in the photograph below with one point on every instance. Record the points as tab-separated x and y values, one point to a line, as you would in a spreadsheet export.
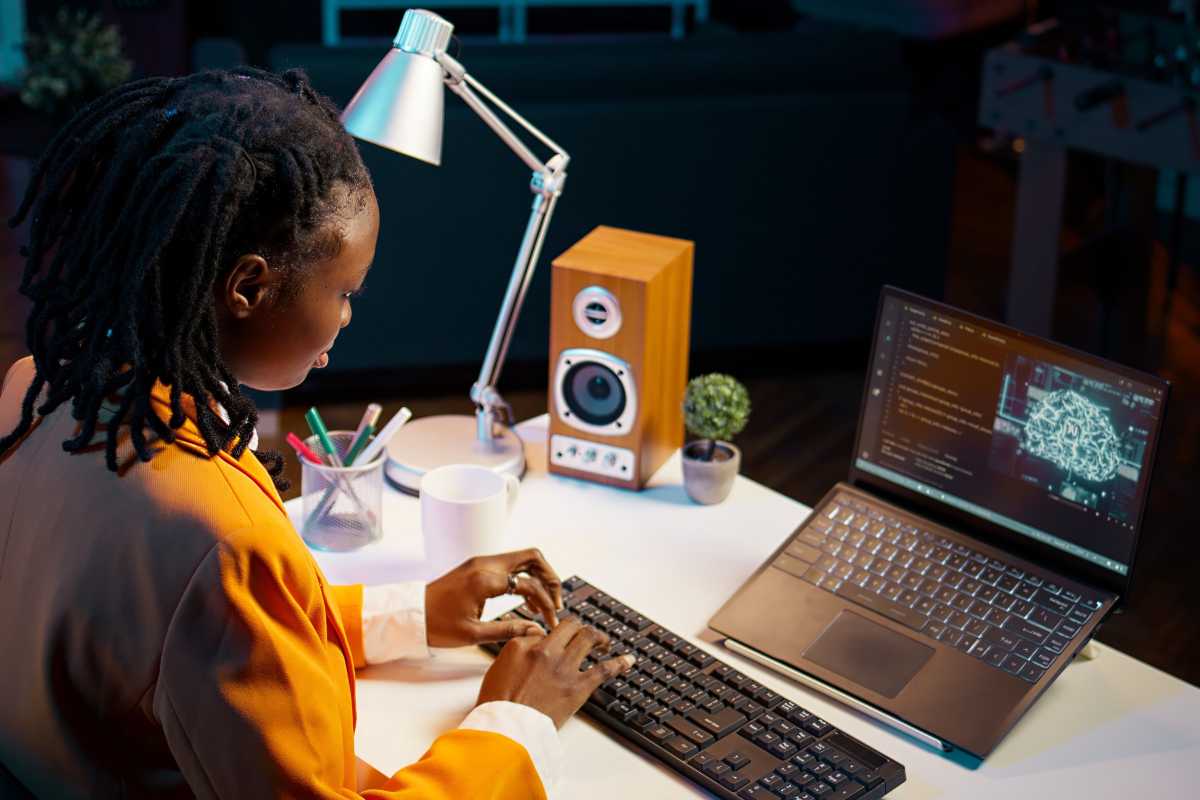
379	442
317	425
362	435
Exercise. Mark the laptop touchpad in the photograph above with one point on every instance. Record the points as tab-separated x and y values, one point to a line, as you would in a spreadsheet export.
868	654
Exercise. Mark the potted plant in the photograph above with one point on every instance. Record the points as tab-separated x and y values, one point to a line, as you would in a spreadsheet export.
74	57
715	409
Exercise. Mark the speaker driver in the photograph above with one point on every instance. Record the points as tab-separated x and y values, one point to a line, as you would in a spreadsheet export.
594	393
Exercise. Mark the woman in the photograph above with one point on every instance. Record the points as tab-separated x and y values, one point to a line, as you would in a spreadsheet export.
166	632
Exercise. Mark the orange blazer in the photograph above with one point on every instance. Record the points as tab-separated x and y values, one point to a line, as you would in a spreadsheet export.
165	632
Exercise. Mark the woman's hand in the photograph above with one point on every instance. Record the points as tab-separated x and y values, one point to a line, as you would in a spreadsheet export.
543	671
454	601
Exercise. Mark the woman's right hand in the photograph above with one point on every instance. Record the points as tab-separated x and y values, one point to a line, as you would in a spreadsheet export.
543	671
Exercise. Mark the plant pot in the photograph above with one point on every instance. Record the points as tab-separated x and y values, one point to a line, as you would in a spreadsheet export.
709	482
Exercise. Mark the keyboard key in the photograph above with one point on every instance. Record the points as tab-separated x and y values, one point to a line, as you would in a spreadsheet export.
951	636
1001	639
1046	619
737	759
702	760
1031	673
1042	658
716	769
995	656
1079	616
1068	629
1056	644
1020	627
817	727
1025	649
1052	601
996	617
752	730
784	749
660	733
692	732
734	781
720	724
1013	663
1025	590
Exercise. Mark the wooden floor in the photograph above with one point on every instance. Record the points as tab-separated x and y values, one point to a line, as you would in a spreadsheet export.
800	436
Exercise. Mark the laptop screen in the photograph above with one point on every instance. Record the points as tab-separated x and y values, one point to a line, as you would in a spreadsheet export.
1033	437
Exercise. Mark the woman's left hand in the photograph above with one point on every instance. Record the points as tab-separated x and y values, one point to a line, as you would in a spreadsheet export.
454	601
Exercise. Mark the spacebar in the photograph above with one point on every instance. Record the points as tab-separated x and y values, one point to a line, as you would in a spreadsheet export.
905	616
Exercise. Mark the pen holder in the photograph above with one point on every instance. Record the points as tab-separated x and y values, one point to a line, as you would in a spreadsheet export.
342	506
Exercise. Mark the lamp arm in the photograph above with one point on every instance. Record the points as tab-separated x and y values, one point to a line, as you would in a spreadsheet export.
462	83
546	185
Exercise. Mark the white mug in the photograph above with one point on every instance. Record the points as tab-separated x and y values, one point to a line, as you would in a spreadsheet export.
464	509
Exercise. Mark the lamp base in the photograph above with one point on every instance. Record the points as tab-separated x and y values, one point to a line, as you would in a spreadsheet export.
431	442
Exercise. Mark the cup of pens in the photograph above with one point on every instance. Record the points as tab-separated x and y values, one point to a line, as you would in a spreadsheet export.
341	480
342	505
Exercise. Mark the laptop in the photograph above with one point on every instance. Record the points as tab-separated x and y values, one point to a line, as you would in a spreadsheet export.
988	525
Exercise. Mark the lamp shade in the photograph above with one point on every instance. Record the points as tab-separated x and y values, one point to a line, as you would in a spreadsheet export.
400	106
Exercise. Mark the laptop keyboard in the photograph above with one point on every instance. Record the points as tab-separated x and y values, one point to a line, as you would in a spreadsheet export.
1006	617
712	724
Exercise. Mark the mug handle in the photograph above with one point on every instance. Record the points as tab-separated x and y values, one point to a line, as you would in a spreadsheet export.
512	485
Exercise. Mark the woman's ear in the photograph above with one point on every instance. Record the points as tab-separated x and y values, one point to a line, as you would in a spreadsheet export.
248	286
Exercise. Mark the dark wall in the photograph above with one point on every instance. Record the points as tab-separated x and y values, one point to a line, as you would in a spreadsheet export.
800	164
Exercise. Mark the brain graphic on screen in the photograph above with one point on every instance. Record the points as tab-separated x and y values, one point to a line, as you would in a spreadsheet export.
1071	432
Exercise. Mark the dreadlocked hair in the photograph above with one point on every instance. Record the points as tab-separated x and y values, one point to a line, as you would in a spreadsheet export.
140	203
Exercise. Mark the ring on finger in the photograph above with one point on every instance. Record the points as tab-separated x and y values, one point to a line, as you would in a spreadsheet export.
512	583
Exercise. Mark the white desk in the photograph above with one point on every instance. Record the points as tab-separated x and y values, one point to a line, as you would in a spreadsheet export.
1108	728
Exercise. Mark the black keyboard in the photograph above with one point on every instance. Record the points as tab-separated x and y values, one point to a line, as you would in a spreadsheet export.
1010	618
712	724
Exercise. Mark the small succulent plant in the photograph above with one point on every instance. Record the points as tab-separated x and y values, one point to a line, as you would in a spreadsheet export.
715	406
74	58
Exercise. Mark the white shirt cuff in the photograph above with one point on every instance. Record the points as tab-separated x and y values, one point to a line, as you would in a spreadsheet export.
529	728
393	622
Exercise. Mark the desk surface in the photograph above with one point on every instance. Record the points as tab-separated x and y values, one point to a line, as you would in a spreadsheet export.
1109	728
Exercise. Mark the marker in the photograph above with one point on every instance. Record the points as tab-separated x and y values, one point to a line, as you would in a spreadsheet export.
366	426
302	449
317	425
379	442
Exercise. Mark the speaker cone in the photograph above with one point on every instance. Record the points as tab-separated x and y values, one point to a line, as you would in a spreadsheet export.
594	393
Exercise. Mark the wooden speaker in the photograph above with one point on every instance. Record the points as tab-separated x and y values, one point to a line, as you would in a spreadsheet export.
620	319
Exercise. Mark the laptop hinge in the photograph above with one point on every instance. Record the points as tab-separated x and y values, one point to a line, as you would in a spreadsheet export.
837	694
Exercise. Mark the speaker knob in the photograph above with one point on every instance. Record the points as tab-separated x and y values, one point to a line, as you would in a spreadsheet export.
572	451
590	455
611	459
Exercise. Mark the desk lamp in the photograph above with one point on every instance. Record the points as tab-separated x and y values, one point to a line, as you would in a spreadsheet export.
400	108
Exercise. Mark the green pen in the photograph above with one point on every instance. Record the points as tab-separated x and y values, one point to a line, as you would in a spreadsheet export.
359	443
317	425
